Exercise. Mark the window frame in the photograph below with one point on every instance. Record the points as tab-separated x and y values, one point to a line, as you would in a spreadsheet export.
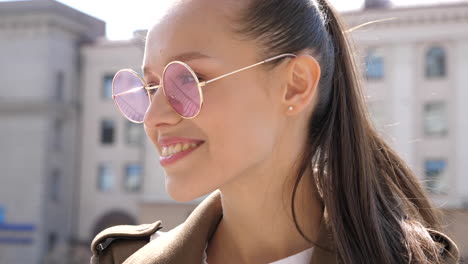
100	181
126	186
106	86
444	117
376	59
434	184
102	130
129	127
431	60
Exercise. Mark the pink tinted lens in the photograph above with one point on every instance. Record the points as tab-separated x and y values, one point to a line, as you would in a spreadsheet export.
181	88
130	95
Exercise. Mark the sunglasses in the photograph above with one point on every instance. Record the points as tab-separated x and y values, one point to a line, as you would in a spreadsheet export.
180	86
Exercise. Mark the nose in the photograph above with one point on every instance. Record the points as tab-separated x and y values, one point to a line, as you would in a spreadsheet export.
160	111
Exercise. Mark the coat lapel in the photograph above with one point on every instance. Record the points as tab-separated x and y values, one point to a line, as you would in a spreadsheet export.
187	245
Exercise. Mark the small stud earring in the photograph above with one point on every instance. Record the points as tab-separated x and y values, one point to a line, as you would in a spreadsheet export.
291	108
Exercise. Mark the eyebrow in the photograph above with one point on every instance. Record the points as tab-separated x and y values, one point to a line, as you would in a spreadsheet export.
184	57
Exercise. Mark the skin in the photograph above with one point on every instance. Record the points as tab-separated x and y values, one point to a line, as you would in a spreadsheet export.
251	139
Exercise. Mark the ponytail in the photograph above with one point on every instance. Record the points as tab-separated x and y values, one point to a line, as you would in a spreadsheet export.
376	209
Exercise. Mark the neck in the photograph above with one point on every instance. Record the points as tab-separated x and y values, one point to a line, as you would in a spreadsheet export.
257	224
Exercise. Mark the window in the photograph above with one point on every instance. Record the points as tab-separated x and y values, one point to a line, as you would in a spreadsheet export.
52	241
374	66
134	133
58	135
133	177
59	82
435	119
107	86
107	131
55	185
436	176
105	177
435	63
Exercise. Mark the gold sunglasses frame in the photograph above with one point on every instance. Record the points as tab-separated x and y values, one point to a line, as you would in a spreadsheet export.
199	84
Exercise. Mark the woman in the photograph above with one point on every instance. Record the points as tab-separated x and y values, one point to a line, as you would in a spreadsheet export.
263	103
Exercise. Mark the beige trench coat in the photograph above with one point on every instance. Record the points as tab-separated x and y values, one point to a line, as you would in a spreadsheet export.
130	244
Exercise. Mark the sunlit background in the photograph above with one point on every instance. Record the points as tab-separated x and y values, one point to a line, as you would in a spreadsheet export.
123	17
71	165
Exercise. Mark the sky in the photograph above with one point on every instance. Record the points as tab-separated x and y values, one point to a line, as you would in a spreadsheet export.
124	17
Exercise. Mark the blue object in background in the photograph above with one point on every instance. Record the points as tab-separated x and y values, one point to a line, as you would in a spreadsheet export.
2	214
17	227
14	233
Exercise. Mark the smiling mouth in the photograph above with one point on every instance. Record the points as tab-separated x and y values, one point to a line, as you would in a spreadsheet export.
177	152
177	148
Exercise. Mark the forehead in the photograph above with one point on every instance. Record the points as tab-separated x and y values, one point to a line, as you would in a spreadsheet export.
189	26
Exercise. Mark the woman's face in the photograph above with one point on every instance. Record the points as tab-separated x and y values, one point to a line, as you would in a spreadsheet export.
239	119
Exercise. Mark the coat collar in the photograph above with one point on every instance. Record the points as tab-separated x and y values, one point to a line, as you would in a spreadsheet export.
188	243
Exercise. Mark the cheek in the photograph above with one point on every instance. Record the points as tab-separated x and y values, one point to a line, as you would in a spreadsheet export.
240	126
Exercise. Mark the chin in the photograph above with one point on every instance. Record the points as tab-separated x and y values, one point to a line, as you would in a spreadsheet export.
186	191
181	192
181	197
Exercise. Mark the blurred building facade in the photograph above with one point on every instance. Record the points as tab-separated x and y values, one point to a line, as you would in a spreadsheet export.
39	125
416	64
73	165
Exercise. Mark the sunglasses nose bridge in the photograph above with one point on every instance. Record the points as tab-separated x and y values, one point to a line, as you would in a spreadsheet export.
159	110
155	95
152	91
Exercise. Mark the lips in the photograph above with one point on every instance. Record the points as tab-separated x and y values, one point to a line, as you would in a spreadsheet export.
168	160
167	141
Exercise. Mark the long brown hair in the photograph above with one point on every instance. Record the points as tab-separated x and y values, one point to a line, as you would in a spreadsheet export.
377	210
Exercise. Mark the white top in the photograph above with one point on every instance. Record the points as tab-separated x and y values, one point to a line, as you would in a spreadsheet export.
299	258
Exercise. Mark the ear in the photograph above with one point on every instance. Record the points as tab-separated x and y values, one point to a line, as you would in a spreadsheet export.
303	75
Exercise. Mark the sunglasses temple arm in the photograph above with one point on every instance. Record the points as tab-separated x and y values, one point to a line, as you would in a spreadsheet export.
248	67
153	87
136	89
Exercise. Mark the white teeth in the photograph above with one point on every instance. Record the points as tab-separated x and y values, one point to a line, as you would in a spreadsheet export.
176	148
171	149
186	146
